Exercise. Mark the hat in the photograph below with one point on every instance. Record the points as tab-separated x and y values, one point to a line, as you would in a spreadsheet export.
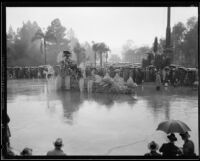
172	137
58	142
153	145
185	134
26	151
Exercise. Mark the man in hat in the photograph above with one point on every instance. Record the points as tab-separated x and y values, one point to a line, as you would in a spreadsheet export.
57	151
153	146
26	152
188	146
170	149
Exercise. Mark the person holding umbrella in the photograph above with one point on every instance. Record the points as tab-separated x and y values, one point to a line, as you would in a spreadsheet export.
170	149
172	126
188	146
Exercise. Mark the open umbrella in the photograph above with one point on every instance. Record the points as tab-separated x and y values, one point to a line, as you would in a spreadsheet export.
117	70
173	126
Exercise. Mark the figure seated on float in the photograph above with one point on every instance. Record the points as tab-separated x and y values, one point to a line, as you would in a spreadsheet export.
97	78
119	81
107	78
130	83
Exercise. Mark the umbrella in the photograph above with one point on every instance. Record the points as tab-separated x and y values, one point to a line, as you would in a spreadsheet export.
117	70
166	68
173	126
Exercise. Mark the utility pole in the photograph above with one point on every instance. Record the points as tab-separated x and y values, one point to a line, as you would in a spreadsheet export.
168	47
168	30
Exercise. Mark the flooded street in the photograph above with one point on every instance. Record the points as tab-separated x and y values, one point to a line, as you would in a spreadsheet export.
96	124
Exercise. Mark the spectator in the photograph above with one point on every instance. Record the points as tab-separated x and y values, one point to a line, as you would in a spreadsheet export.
26	152
188	146
57	151
170	149
153	147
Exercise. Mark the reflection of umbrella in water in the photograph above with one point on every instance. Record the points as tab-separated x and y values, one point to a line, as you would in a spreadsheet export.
173	126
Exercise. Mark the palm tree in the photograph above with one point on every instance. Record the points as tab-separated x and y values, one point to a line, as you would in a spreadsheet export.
44	37
95	49
100	48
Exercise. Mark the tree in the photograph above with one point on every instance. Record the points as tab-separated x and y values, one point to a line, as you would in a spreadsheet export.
155	45
150	58
80	53
161	45
57	30
44	37
100	48
114	58
178	33
191	22
89	52
21	51
61	44
190	46
95	49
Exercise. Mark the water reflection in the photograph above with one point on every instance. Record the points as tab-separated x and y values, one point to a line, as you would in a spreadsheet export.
72	101
159	104
91	124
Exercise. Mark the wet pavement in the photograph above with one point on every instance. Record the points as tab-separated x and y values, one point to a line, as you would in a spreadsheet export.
96	124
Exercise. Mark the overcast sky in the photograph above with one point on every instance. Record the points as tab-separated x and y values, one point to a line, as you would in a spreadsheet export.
112	25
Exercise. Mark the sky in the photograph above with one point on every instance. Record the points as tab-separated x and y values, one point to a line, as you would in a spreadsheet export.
112	25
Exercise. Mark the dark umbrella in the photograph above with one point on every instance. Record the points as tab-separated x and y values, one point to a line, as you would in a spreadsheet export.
173	126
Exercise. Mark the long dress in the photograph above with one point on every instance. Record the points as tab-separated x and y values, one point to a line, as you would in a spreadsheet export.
91	79
81	81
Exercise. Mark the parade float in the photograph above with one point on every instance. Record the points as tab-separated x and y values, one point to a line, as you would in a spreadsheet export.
69	75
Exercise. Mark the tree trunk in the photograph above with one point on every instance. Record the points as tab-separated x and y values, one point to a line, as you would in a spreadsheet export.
101	59
95	57
45	59
77	56
106	58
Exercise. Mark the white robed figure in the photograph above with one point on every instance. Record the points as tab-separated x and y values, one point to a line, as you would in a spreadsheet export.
91	80
82	77
131	83
82	80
